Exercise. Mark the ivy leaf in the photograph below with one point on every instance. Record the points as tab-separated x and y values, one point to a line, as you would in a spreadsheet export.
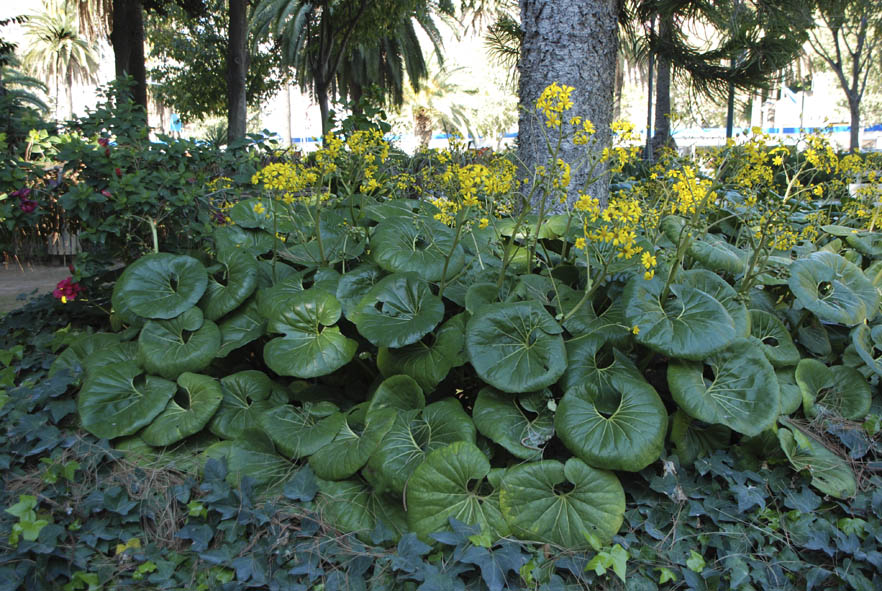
302	486
695	562
665	575
495	564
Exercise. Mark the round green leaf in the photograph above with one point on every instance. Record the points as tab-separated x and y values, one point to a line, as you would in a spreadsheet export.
79	354
429	360
354	284
715	253
619	426
791	393
246	395
398	311
267	214
867	342
235	237
400	392
694	439
272	301
240	328
770	334
522	424
352	506
736	387
719	289
562	504
590	358
516	347
116	400
868	243
838	390
300	431
337	244
353	445
197	400
310	347
451	483
689	324
830	474
833	289
160	285
812	335
237	282
418	245
186	343
252	455
414	435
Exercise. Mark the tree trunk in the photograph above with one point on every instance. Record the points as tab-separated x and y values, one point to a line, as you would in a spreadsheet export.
854	108
574	43
237	69
321	95
127	39
662	136
423	129
288	111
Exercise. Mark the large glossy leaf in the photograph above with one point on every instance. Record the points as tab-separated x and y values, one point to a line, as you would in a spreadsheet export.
618	426
694	439
418	245
354	284
300	431
230	286
719	289
867	342
451	483
337	243
246	395
590	358
516	347
839	390
355	442
398	311
272	301
186	343
562	504
160	285
429	360
414	435
265	213
830	474
736	387
197	400
252	455
523	425
791	393
118	400
715	253
184	456
770	334
240	328
689	324
868	243
834	289
352	506
399	392
78	356
233	237
311	347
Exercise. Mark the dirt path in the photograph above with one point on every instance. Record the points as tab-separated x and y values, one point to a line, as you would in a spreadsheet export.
15	280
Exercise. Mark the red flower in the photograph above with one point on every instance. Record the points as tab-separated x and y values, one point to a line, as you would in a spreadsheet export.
106	193
118	172
66	290
103	141
28	205
107	152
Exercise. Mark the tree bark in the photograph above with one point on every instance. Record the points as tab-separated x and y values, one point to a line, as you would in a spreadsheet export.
854	108
323	98
574	43
237	68
662	136
127	39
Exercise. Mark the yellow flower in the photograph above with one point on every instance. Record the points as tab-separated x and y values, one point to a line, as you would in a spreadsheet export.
649	275
580	243
483	223
258	208
635	329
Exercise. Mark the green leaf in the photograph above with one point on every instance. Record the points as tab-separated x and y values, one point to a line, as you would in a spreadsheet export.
183	344
868	243
240	328
833	289
272	301
695	562
451	483
770	334
516	347
337	243
352	506
592	359
399	392
791	394
301	431
353	445
246	395
266	214
398	311
694	439
418	245
75	357
620	426
559	503
252	455
199	397
354	284
839	390
522	424
715	253
867	342
717	287
311	347
113	402
237	281
429	360
160	285
689	324
736	387
830	474
233	237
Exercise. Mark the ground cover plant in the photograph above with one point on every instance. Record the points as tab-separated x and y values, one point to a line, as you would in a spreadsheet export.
677	389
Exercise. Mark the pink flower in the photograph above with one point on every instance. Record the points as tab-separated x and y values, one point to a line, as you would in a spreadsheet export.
106	193
66	290
118	172
21	193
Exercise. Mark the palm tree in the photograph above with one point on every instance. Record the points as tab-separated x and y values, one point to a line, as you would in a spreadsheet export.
56	52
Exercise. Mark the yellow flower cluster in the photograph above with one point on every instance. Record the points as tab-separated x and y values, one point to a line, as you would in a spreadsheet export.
625	149
326	158
820	154
288	179
690	192
588	205
618	227
649	262
486	188
553	101
584	130
561	179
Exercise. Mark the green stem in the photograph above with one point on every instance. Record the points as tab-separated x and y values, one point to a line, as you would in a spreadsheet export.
460	222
